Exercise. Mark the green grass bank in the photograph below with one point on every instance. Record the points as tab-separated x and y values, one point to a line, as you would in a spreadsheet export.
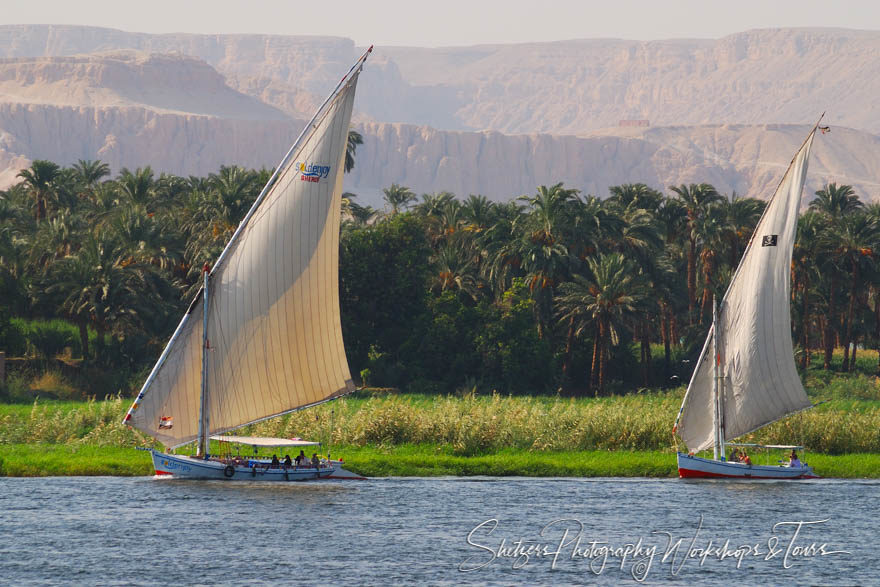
382	433
40	460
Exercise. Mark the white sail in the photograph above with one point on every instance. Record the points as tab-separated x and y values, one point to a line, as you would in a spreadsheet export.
759	380
274	328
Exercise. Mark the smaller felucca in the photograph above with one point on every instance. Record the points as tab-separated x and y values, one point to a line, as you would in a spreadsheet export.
263	336
746	377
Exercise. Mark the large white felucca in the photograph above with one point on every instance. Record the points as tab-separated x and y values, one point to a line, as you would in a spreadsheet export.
263	337
746	377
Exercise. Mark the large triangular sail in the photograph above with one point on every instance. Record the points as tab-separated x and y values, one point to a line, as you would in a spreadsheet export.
273	321
758	378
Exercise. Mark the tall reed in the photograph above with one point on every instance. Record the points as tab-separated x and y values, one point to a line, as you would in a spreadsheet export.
470	424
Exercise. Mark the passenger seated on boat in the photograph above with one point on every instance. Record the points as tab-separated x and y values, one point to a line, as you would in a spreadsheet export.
744	459
794	461
300	459
287	461
734	456
315	461
275	462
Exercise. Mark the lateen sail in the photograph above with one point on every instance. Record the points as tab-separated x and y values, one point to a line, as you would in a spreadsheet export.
274	327
760	381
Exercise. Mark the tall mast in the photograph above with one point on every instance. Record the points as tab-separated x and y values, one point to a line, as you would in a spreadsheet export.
716	412
202	447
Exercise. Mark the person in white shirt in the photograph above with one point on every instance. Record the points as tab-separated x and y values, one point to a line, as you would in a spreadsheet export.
793	460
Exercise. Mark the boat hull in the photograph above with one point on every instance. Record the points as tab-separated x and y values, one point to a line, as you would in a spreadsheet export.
691	467
184	467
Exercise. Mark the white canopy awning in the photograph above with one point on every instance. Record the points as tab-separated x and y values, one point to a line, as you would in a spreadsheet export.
266	441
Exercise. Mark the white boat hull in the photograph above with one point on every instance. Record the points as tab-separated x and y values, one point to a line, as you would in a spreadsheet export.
691	467
184	467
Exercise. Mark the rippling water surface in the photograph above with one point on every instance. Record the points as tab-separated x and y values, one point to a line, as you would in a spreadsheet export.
146	531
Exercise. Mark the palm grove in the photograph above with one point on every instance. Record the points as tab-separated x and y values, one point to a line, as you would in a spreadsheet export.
549	291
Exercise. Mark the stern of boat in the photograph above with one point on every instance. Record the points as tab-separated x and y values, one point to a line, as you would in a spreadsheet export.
340	472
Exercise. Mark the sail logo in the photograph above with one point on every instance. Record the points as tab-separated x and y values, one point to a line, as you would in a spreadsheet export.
769	240
312	172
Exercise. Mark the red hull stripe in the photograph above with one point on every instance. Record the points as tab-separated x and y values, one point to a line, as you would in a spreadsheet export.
692	474
163	473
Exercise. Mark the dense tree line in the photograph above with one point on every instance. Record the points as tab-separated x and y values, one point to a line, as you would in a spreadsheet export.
550	290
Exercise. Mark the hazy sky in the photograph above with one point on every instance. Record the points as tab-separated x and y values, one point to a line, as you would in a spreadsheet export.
451	22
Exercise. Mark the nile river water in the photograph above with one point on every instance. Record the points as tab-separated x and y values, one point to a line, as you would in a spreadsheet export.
437	531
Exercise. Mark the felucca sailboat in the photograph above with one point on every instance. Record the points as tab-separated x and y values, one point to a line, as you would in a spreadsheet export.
263	337
746	377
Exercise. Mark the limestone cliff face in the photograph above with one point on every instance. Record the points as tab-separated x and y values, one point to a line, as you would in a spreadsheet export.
180	115
164	83
133	136
760	76
570	87
749	160
289	73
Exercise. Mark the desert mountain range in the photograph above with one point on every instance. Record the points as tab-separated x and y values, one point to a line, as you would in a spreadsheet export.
497	120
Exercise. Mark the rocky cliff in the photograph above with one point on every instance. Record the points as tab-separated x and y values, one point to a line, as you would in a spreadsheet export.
747	159
570	87
181	115
760	76
124	79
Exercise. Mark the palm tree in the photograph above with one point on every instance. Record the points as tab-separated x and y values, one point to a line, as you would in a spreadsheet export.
873	211
169	190
102	203
640	241
65	194
635	195
398	197
237	189
856	238
712	231
354	213
351	145
478	212
833	202
601	303
449	220
143	240
14	222
695	198
455	269
17	228
639	236
742	215
836	201
550	208
56	238
136	187
542	248
39	178
432	204
804	272
89	173
499	249
96	285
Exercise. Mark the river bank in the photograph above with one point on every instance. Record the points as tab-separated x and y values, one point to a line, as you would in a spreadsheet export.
41	460
384	433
